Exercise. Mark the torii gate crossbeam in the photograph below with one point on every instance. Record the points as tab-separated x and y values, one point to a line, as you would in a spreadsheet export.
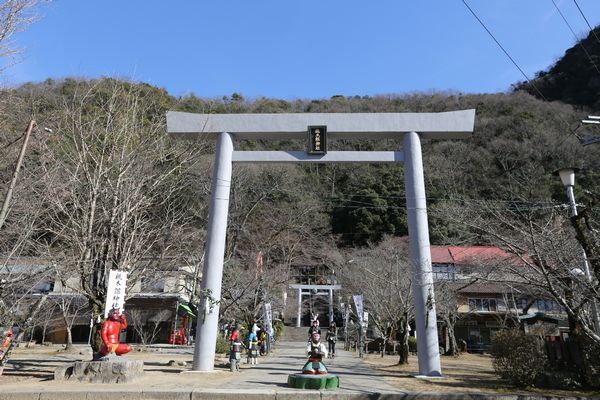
227	128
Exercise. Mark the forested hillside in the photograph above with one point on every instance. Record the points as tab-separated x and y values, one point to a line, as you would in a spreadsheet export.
518	141
574	78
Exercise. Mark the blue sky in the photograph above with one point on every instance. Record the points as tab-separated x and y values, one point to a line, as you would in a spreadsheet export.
299	49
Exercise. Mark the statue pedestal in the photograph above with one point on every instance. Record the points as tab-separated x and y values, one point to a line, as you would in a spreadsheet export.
111	371
309	381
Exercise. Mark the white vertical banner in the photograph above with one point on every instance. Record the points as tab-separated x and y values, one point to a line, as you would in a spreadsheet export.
365	321
268	317
115	293
358	303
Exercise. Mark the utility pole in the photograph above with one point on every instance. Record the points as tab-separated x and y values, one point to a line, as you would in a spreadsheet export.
13	182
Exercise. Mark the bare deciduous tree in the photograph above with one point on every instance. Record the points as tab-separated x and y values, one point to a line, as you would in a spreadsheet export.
46	318
117	190
15	16
15	286
70	307
382	274
545	253
446	306
246	290
147	324
268	215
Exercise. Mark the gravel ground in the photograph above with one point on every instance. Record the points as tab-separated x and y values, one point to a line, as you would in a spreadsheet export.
468	373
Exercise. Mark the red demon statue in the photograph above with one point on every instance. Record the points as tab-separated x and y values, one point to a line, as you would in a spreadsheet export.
111	330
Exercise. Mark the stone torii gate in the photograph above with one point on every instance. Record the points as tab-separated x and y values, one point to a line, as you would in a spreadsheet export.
227	128
329	291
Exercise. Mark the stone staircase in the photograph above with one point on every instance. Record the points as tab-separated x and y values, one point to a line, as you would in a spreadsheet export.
294	334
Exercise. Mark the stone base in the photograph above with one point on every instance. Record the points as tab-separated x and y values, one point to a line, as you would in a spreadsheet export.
308	381
112	371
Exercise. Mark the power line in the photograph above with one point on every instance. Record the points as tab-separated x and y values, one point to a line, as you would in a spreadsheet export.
353	195
576	38
530	82
505	51
586	21
354	200
541	204
352	203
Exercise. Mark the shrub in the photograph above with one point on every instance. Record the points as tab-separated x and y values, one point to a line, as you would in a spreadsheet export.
412	344
517	357
590	352
278	329
222	345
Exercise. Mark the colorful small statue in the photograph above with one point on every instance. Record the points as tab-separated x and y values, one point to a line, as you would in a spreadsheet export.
253	348
235	352
10	337
314	328
111	330
316	351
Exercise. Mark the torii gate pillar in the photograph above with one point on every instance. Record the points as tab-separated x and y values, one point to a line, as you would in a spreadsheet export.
212	272
420	256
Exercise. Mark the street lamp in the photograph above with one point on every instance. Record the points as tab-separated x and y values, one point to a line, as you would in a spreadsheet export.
567	176
592	120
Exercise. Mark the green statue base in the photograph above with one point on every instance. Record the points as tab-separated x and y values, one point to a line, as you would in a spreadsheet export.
307	381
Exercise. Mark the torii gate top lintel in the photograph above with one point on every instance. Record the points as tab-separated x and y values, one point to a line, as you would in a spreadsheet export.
444	125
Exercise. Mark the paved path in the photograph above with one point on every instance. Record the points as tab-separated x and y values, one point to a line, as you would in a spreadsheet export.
289	357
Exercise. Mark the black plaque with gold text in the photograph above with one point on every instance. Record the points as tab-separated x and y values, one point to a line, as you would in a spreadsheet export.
317	140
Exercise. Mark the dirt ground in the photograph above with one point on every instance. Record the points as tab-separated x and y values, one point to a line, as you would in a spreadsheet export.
467	373
34	367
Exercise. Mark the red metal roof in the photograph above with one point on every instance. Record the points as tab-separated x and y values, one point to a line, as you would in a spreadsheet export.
464	255
441	255
472	254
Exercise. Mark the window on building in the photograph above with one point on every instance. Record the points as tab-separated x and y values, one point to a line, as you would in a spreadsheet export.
548	306
485	305
443	272
44	287
522	303
518	304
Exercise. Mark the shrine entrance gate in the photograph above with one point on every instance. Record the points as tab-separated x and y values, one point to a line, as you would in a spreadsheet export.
411	127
